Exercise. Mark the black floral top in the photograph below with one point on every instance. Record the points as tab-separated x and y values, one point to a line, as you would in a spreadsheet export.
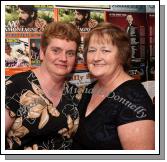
38	125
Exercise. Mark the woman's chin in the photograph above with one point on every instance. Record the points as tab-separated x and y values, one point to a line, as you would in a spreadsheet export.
97	75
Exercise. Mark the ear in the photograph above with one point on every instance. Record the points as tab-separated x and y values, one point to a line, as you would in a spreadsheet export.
32	15
86	16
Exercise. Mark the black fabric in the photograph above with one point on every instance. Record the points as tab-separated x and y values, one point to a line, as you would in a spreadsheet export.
127	103
26	102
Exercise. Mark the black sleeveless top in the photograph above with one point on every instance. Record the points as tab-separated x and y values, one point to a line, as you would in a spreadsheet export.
127	103
39	125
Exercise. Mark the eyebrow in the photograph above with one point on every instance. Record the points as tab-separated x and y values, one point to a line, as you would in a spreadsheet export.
55	47
91	47
59	48
100	47
71	50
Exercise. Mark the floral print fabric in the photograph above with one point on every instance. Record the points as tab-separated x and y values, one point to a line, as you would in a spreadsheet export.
38	124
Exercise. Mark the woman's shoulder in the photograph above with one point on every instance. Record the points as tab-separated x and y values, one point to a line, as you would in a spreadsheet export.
132	82
132	86
19	76
16	83
135	102
134	93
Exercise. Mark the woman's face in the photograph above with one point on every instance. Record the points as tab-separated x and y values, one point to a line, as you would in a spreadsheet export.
60	55
102	58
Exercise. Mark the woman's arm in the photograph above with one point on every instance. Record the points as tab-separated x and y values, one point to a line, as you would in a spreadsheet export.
138	135
8	121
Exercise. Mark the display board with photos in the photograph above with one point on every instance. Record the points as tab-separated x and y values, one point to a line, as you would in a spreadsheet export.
22	45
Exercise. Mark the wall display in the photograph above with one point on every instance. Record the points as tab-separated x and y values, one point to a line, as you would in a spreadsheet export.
22	35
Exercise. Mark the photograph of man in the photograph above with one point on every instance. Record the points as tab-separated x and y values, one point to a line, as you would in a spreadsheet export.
35	59
131	28
80	57
133	32
83	20
27	18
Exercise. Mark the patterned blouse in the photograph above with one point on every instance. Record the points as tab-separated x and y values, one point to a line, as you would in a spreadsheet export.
38	125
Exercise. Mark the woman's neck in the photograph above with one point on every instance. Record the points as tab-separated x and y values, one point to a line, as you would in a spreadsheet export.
112	82
48	82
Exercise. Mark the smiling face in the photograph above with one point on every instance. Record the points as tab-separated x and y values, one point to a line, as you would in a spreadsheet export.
102	57
59	57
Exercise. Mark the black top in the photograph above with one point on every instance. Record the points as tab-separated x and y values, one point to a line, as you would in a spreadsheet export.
127	103
39	125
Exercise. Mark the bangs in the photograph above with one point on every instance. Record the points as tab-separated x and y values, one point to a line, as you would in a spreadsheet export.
101	38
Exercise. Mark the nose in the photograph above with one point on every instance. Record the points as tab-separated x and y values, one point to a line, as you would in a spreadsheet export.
97	56
63	56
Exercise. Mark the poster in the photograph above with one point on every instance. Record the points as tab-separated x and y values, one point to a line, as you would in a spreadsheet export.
134	24
17	52
27	18
133	20
150	13
84	19
81	78
137	20
35	51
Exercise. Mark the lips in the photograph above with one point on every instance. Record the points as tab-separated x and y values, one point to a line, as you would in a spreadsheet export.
99	65
63	66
